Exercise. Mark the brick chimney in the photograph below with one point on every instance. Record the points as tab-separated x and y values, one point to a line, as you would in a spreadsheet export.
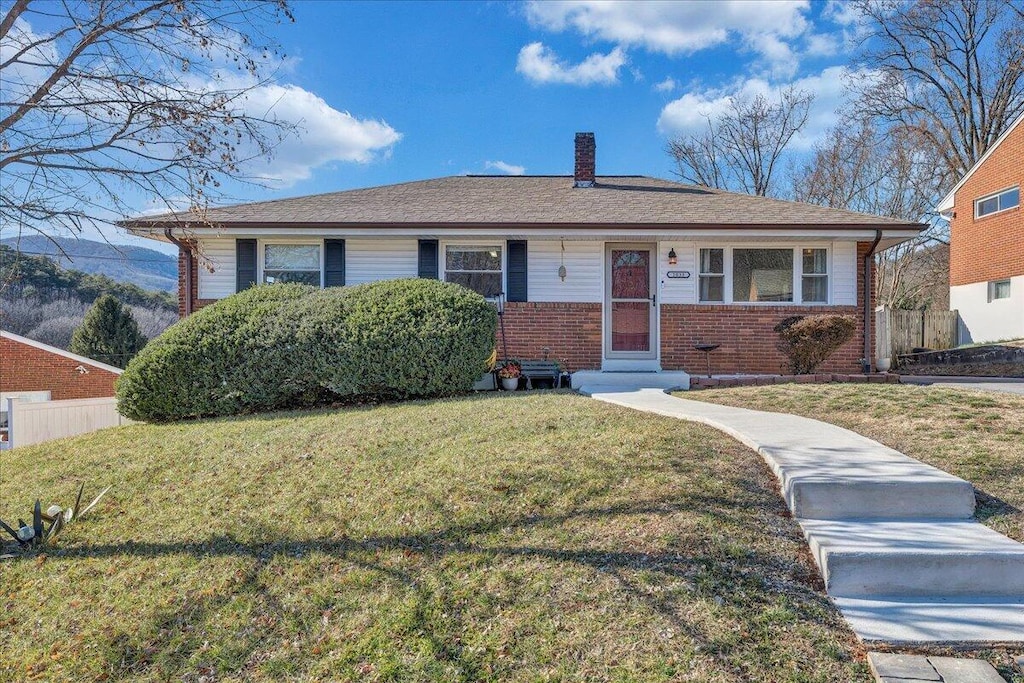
586	150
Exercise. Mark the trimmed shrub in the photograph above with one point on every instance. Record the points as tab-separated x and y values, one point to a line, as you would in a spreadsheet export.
409	338
809	340
191	370
386	340
282	346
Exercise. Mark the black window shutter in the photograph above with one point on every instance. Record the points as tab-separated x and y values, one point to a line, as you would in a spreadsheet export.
334	263
245	264
517	284
428	259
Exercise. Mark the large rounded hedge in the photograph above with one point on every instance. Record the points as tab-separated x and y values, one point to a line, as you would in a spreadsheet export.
191	369
297	346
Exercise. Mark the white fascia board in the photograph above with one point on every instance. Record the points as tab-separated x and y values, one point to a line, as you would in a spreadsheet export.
59	352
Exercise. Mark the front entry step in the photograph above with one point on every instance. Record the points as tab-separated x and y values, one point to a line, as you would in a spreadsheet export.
666	379
934	557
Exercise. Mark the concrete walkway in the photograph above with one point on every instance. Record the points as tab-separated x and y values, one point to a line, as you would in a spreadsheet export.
895	539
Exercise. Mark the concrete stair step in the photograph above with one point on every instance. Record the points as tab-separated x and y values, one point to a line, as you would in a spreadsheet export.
906	497
973	621
936	558
591	381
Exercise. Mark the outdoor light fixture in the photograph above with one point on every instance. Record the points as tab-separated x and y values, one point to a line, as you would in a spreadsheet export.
672	259
561	268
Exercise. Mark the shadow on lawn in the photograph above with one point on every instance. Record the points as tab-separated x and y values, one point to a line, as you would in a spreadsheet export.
748	581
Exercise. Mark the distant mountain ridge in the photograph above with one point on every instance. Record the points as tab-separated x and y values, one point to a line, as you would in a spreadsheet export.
146	268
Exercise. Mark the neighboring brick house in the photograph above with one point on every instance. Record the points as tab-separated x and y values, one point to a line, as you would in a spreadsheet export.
986	242
30	366
600	272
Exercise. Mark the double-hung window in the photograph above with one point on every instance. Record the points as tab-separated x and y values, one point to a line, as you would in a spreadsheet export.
475	267
291	263
763	275
815	276
1000	201
712	275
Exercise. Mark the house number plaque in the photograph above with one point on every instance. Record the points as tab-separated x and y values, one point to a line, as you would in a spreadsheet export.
678	274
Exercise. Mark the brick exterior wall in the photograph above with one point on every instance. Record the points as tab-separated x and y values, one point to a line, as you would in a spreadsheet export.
746	338
197	303
26	368
991	247
571	332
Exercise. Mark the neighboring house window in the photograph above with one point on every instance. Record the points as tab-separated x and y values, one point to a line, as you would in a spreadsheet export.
1007	199
998	289
764	275
475	267
292	263
712	275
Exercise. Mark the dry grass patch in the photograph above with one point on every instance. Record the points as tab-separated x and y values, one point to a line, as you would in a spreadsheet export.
499	538
976	435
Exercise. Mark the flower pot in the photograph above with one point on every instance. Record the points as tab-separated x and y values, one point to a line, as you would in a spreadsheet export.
509	383
883	364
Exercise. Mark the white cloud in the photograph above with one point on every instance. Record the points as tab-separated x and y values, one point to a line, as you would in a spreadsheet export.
822	45
507	169
674	28
841	12
541	65
667	85
326	134
689	114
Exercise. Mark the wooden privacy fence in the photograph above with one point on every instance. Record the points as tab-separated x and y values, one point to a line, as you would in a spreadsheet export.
30	423
898	332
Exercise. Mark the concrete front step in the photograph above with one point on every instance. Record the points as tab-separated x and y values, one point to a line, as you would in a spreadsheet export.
599	380
961	621
936	558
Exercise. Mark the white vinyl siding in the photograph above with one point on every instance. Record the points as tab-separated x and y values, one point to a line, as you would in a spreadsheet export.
677	290
584	266
844	273
368	260
218	255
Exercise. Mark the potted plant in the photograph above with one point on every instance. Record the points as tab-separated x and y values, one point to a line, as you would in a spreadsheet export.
510	373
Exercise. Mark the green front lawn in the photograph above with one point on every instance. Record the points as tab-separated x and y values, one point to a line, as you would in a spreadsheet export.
523	538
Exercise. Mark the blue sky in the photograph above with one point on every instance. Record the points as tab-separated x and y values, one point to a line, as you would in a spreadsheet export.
391	92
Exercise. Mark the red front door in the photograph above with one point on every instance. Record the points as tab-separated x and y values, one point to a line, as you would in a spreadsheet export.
630	302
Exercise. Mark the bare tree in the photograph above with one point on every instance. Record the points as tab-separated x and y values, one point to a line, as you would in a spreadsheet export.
743	147
953	71
884	173
106	99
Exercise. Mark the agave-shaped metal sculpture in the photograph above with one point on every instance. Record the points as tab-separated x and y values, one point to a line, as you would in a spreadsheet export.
38	533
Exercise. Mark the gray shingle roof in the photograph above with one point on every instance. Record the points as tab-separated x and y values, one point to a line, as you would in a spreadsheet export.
533	200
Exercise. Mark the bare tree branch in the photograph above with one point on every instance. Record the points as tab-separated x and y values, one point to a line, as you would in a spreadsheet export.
120	98
742	147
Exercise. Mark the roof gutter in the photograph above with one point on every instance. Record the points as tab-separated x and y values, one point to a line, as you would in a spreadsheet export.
866	364
187	251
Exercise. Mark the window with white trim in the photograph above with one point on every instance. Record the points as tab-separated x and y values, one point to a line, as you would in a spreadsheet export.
998	289
477	267
1000	201
292	263
712	275
814	287
764	275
